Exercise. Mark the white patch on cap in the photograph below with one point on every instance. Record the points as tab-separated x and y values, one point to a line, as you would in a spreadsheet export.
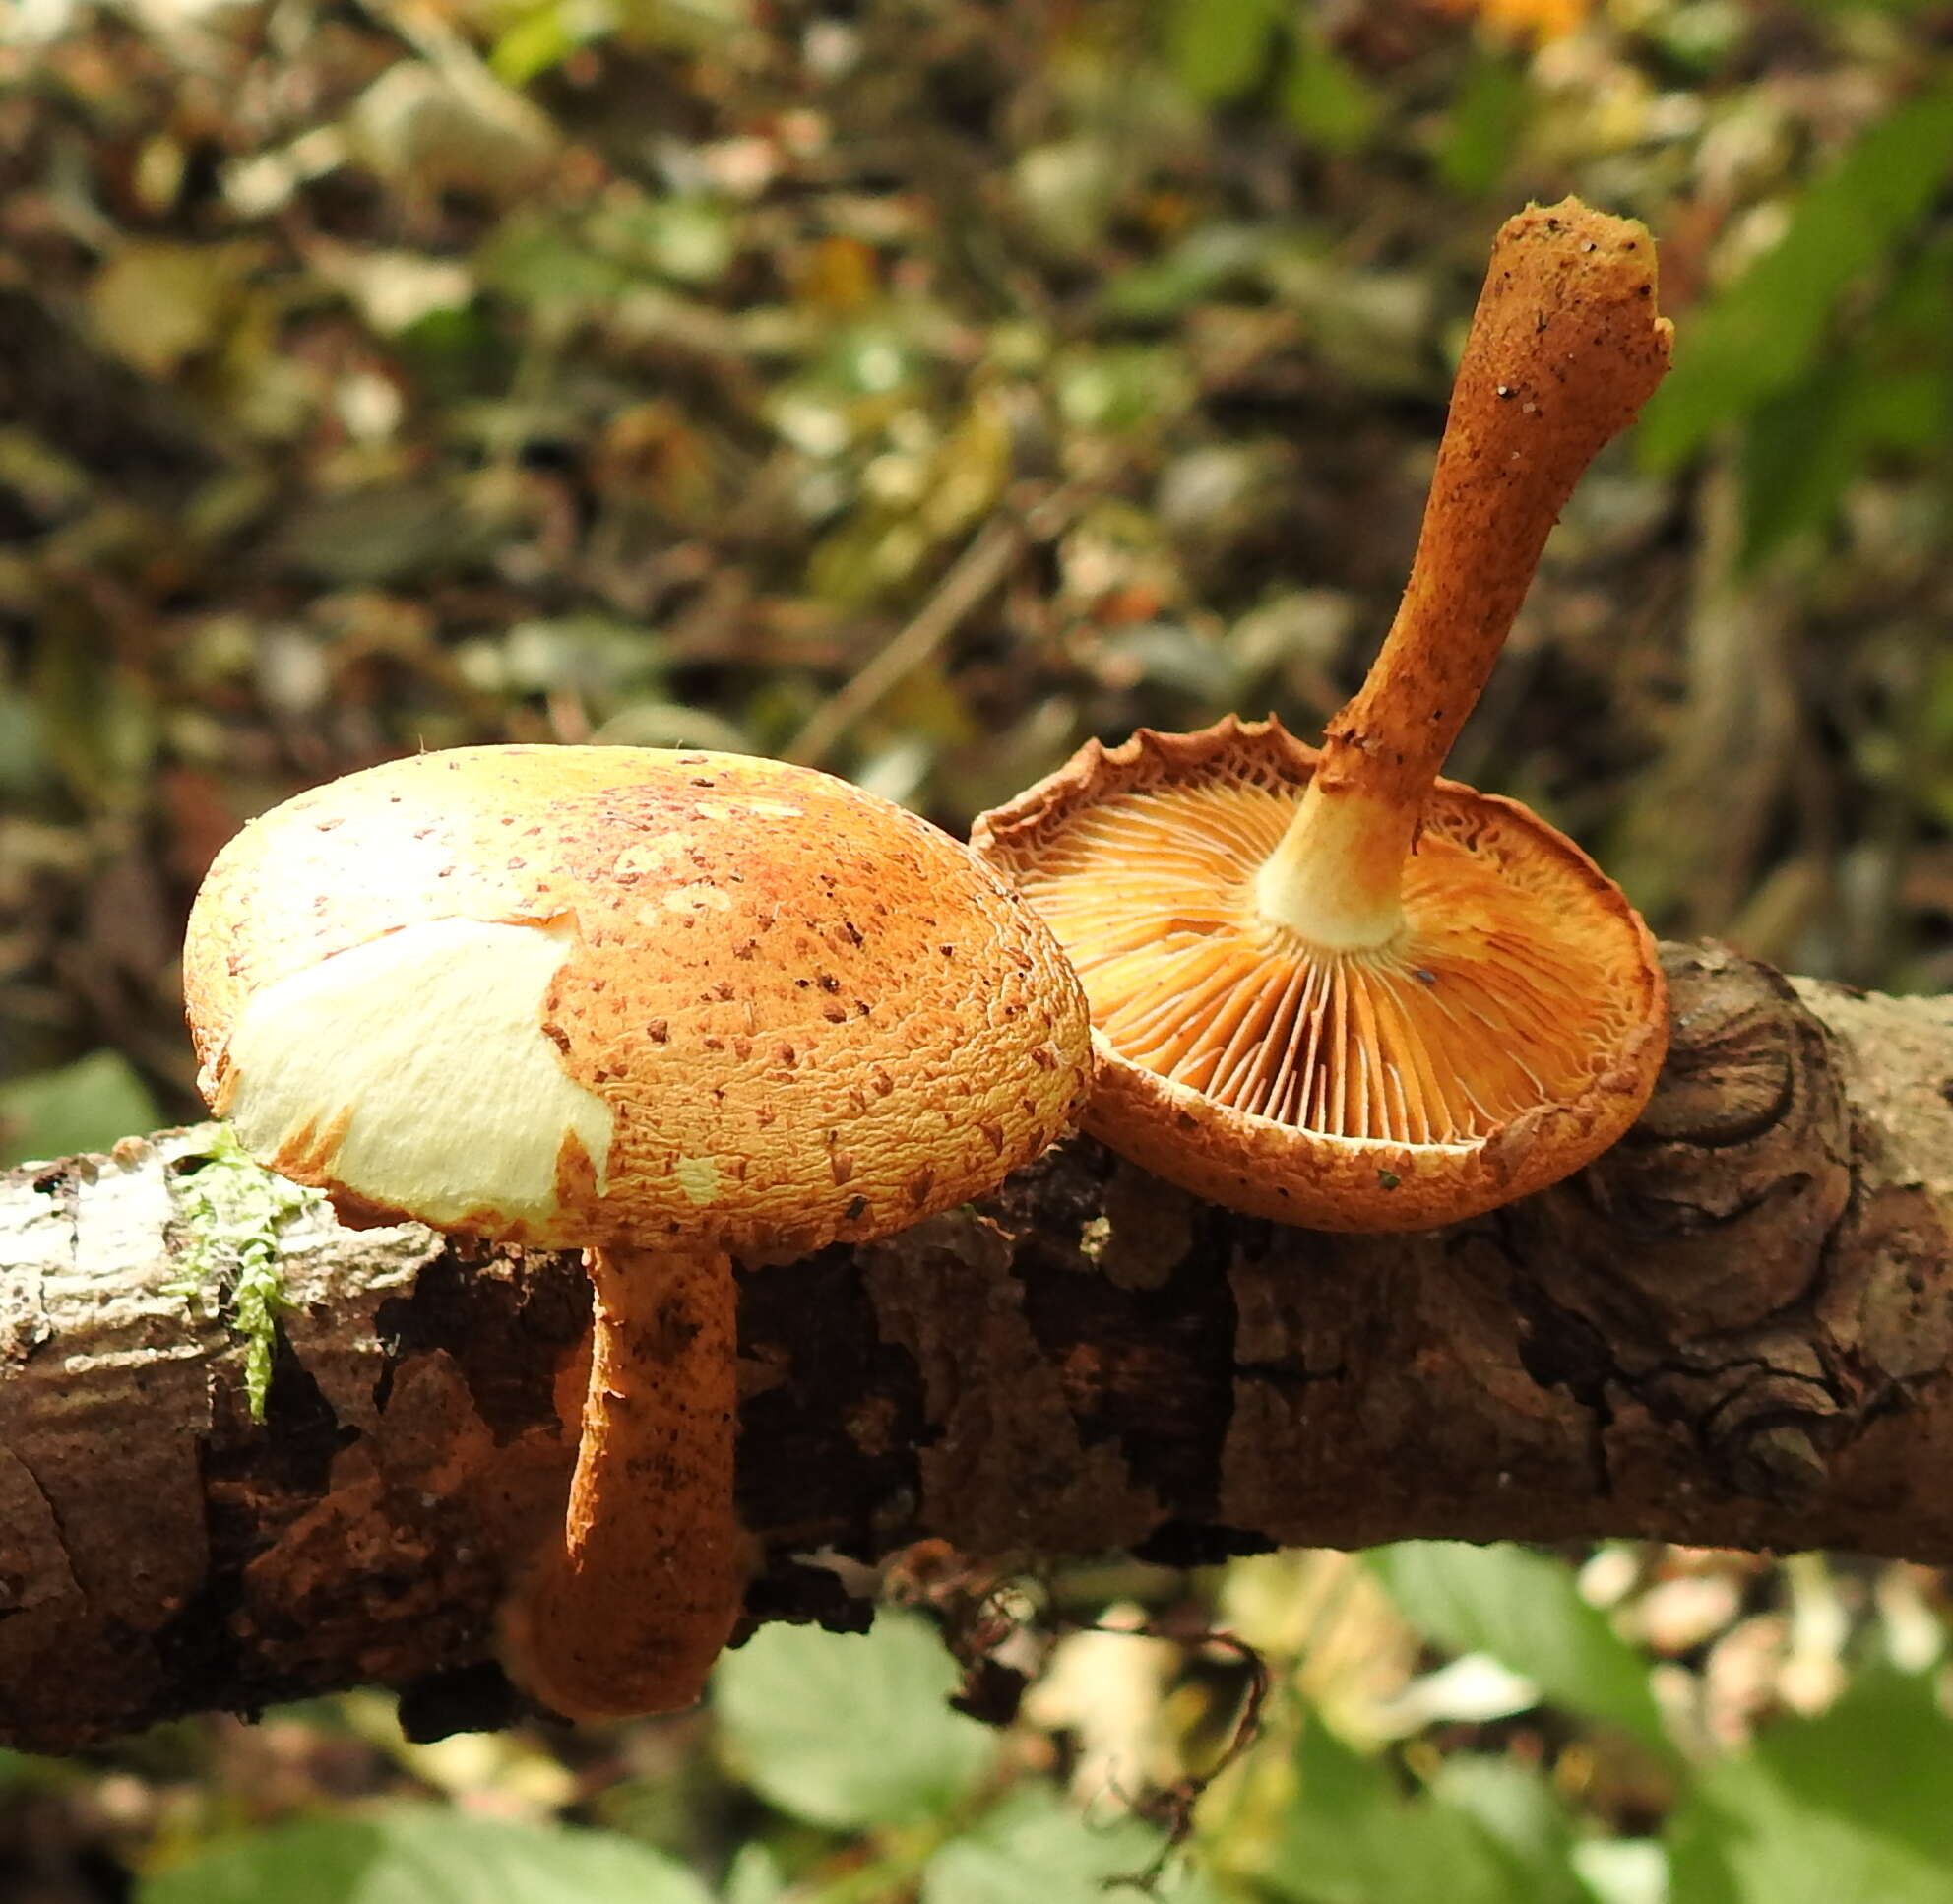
412	1070
747	806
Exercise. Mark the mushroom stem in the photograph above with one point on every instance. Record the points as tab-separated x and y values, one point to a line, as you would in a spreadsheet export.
1565	346
627	1615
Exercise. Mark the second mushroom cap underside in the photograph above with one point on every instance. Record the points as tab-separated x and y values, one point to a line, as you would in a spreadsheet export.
1517	1016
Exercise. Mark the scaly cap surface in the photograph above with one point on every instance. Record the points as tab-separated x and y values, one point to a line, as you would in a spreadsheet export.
574	995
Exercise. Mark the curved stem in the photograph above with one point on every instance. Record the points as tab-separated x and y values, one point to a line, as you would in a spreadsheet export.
627	1615
1565	346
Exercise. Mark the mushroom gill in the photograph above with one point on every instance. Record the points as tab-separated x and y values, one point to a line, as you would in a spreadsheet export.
1479	1009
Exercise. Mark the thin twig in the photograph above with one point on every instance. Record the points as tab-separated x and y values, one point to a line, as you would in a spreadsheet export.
1175	1807
974	573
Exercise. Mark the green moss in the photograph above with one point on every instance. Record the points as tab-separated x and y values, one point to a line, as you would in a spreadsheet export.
232	1211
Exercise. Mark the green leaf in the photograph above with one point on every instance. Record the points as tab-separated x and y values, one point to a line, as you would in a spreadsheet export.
1219	48
547	266
157	304
1169	654
1032	1845
1882	1758
851	1729
96	719
543	38
1798	454
1194	270
1866	6
1353	1837
1367	324
1121	388
18	1771
1890	392
1764	333
1489	113
85	1105
388	534
1325	97
1858	1803
419	1855
1625	1871
1516	1804
1524	1609
23	760
595	656
692	241
753	1877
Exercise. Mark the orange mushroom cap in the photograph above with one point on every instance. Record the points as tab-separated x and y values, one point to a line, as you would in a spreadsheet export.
757	1004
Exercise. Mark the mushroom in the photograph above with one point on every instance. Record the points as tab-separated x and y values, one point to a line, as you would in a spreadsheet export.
665	1007
1330	987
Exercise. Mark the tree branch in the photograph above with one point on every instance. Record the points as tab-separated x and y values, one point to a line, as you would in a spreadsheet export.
1734	1329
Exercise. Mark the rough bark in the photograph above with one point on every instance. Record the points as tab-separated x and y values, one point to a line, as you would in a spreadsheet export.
1734	1329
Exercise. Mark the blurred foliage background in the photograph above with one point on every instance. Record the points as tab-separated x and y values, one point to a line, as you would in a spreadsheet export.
916	388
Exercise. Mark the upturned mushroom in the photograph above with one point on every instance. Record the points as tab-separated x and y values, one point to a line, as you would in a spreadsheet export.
1329	988
668	1009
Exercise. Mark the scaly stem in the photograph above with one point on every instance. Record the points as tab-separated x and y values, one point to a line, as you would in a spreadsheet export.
1565	346
627	1615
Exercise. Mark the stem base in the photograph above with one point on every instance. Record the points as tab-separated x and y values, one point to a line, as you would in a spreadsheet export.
627	1614
1336	880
